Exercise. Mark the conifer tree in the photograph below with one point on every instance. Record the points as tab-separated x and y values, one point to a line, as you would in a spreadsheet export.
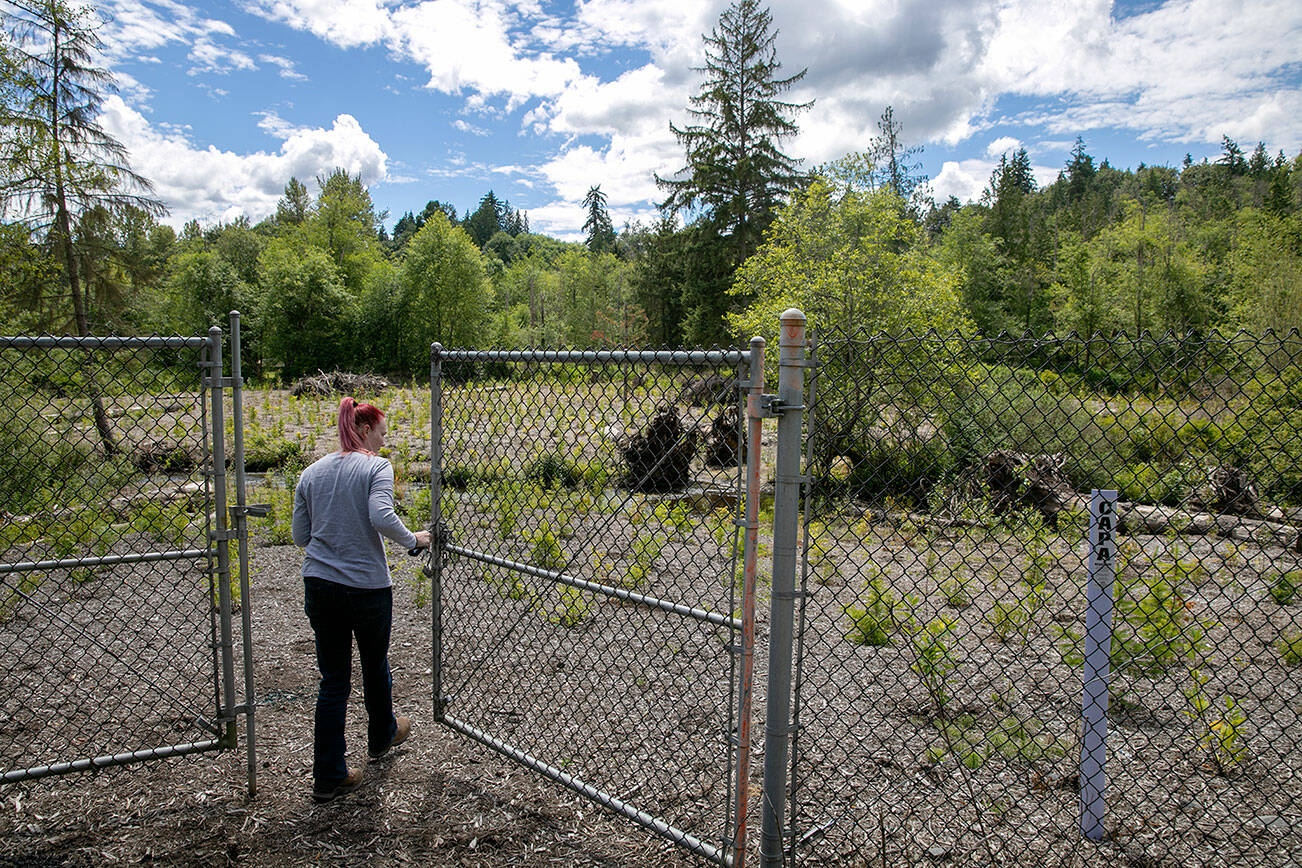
601	233
59	163
735	171
736	175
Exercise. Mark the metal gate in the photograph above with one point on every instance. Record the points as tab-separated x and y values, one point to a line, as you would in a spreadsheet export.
594	592
117	589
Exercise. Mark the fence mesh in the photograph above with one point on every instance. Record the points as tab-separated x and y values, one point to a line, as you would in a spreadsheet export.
939	684
106	607
623	474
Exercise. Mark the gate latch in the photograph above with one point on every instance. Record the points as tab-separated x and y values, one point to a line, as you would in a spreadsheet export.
771	406
257	510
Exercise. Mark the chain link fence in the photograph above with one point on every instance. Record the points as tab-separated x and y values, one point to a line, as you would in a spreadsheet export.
938	686
111	626
590	621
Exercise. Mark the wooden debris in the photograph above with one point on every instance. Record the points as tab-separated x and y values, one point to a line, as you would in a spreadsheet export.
659	458
323	385
1019	481
723	442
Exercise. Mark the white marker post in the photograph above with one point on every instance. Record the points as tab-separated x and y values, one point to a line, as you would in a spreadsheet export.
1098	648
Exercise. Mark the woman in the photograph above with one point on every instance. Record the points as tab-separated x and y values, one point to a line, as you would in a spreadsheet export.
342	504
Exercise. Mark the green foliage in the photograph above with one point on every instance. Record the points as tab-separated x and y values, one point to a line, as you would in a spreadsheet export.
304	312
545	549
1153	630
850	261
552	469
264	451
1290	648
879	618
647	546
1221	736
935	658
1284	586
443	293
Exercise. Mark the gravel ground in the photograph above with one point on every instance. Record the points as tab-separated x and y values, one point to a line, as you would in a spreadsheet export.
438	800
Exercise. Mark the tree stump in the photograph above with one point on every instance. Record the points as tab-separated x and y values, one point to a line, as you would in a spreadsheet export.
1019	481
1225	489
659	457
723	443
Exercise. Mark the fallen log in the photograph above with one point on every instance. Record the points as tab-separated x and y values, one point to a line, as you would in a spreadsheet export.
1140	518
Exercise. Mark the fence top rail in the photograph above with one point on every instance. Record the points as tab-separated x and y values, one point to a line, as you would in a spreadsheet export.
663	357
117	342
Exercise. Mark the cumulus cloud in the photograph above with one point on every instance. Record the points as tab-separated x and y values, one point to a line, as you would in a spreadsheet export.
1002	145
209	184
967	179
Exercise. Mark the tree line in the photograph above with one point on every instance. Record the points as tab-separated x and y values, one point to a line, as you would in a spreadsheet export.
745	231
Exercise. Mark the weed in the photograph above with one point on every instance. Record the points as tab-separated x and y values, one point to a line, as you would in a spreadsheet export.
1220	735
878	618
1290	648
818	552
545	549
12	600
646	551
954	587
1284	587
934	659
573	608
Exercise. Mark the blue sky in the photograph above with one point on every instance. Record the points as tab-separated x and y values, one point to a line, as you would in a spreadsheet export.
221	102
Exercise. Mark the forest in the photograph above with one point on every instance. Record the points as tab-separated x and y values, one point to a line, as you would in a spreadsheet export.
745	230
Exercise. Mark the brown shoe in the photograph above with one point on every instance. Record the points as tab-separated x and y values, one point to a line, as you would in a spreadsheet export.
328	791
399	736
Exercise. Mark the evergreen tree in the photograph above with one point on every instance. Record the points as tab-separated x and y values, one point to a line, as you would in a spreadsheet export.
295	205
895	167
601	234
58	162
486	221
736	176
735	171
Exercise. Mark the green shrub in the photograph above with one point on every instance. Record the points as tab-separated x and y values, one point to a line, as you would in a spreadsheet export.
1290	648
1148	483
551	470
881	615
264	451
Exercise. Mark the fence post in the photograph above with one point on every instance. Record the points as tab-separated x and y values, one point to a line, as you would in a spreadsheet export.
436	523
240	516
1098	650
750	550
221	535
786	516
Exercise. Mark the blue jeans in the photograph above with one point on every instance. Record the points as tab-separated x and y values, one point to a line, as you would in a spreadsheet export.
338	613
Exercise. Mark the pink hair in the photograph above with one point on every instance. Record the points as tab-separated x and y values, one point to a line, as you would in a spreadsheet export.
352	418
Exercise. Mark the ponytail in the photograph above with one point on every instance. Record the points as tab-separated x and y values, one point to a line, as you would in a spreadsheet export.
352	418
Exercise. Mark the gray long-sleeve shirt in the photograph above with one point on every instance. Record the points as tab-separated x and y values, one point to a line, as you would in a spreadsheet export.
342	503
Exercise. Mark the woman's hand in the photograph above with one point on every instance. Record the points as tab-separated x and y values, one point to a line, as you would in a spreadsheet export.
422	539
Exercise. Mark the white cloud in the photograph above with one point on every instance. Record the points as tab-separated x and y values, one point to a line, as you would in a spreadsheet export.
465	127
210	184
287	70
967	179
1002	145
209	57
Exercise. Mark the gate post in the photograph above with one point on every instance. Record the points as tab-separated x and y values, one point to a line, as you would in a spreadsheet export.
750	550
220	536
786	516
436	523
239	516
